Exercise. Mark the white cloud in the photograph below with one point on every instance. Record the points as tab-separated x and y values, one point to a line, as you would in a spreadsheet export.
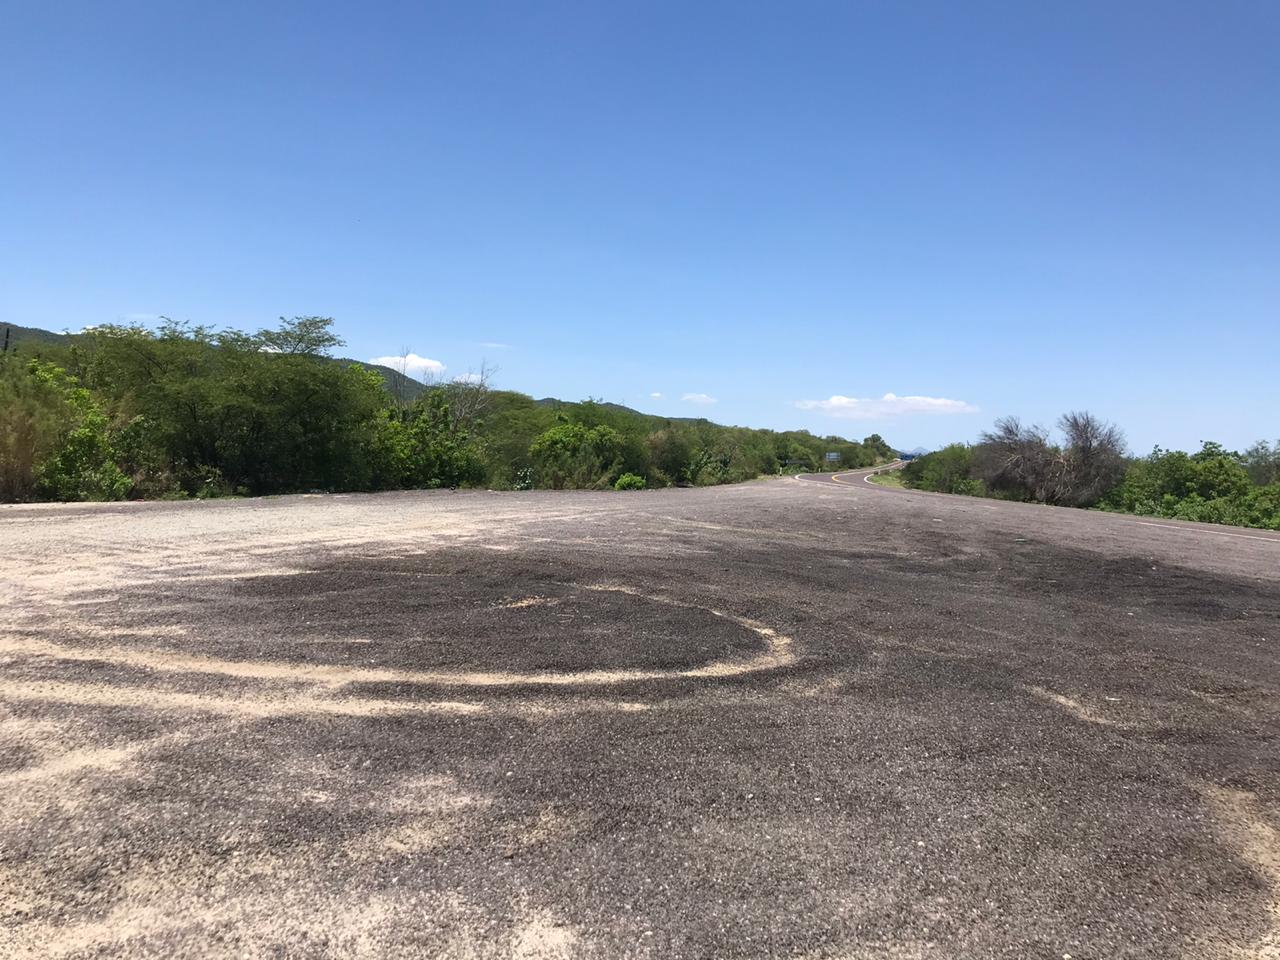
493	345
698	398
890	405
656	395
468	378
412	364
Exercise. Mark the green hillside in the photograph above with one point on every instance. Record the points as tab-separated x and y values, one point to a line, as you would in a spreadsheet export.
11	335
24	339
188	411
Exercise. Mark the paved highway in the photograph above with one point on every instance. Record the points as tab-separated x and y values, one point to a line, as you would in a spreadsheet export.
792	718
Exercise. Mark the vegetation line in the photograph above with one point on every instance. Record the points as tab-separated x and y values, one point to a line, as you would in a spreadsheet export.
1089	468
186	411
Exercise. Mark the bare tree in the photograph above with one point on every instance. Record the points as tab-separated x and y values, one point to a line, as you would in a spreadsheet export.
1020	460
400	386
468	395
1016	459
1093	459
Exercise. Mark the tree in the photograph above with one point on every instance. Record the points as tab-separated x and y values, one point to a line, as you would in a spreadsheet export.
671	455
301	335
33	415
222	413
424	447
572	455
469	396
1020	461
1016	460
1262	460
948	470
1209	485
1092	462
53	437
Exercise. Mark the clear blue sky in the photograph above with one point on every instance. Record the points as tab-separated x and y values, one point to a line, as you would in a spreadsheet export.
1021	207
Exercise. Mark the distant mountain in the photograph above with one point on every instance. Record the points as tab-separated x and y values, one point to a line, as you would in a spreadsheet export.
12	334
403	388
553	402
619	408
917	452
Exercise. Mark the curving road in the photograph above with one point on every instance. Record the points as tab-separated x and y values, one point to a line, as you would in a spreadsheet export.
852	477
811	718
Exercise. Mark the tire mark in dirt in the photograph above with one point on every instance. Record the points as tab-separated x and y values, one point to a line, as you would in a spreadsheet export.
777	653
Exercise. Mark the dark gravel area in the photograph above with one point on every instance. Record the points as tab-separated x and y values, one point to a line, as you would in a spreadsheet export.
792	718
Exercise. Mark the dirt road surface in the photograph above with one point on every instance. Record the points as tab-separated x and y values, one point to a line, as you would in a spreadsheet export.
790	718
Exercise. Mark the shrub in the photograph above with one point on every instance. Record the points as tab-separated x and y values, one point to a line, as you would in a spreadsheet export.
1019	462
629	481
944	471
53	438
573	455
1210	486
33	414
423	447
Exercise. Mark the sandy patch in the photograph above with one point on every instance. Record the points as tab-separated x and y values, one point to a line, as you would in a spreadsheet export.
1074	707
541	937
99	695
528	602
428	811
99	760
1241	824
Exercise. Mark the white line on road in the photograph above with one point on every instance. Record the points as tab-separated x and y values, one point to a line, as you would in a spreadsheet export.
1217	533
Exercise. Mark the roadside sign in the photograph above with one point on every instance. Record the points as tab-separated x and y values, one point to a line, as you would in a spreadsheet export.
832	456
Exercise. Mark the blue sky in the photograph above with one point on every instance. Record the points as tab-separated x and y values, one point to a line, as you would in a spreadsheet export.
999	208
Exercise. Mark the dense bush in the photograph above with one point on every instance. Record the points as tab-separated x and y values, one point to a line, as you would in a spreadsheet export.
1213	485
573	455
1013	461
949	470
422	447
1021	462
629	481
188	411
1262	460
546	443
53	437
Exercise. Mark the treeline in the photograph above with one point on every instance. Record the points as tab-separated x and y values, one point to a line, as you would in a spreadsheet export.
1089	468
126	412
592	444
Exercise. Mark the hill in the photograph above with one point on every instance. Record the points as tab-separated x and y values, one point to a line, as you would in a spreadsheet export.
655	419
405	389
11	335
190	412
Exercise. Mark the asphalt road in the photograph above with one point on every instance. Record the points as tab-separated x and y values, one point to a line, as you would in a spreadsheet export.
792	718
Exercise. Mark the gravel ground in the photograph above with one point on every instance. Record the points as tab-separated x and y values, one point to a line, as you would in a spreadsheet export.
790	718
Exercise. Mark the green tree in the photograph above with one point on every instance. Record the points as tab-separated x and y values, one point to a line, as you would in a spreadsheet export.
54	439
424	447
573	455
949	470
1210	486
1262	460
